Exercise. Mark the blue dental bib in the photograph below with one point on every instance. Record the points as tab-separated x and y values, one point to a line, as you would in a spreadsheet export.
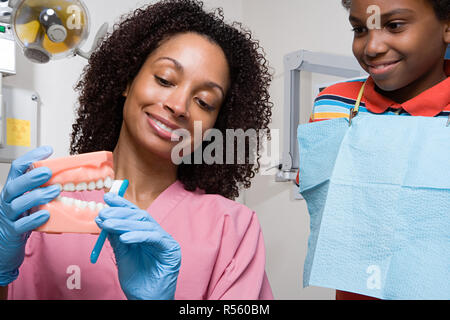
378	194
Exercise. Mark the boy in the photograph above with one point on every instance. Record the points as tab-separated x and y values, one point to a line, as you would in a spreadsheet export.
404	56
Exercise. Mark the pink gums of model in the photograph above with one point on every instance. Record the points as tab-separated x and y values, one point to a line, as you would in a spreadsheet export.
84	172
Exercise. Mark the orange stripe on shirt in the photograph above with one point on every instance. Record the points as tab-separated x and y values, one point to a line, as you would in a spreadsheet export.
329	115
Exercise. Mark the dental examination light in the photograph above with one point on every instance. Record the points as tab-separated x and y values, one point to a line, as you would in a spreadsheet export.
50	29
43	30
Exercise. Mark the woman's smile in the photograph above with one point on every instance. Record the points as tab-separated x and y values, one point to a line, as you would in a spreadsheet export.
163	129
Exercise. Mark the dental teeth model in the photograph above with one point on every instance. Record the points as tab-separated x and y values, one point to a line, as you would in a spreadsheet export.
81	174
83	186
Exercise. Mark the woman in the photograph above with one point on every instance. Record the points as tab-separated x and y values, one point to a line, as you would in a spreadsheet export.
176	233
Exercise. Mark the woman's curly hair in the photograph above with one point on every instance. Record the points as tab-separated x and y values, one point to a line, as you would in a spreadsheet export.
120	57
441	8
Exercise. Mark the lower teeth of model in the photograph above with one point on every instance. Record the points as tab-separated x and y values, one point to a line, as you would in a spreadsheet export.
82	204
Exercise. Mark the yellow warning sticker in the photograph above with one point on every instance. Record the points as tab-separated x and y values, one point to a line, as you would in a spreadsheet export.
18	132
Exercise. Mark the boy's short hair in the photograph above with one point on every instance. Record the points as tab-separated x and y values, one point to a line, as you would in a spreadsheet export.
441	7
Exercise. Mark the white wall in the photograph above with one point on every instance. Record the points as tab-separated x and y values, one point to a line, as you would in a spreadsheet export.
282	26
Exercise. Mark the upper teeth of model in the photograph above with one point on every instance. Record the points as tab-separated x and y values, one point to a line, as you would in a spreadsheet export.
83	186
162	125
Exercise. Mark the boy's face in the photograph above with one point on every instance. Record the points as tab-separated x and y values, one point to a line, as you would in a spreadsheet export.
404	49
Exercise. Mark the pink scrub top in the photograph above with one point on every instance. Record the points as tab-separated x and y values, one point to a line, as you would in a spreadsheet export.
223	253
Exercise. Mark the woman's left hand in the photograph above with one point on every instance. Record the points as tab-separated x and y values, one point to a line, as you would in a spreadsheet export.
148	258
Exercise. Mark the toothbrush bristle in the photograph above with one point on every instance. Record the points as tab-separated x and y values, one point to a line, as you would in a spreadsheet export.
116	186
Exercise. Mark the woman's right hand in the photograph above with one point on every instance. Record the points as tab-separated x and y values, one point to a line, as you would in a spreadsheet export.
21	193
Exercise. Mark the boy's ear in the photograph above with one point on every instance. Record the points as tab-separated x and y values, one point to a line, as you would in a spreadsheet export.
447	32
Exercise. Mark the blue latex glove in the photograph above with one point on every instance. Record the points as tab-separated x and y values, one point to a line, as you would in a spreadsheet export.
15	224
148	258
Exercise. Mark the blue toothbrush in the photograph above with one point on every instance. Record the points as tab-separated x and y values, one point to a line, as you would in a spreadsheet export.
119	187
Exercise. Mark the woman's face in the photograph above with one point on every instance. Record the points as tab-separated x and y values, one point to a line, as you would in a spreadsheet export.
183	81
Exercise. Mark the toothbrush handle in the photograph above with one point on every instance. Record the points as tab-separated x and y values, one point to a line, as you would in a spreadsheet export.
103	234
123	188
98	246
